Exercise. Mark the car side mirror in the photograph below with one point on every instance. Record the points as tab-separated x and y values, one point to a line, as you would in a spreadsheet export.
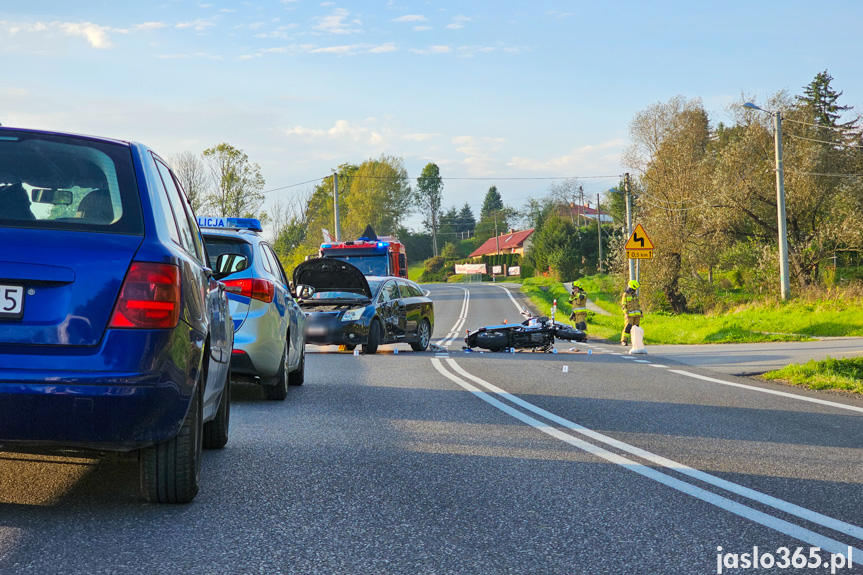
305	291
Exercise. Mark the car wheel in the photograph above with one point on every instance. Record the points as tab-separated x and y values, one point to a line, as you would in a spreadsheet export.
492	341
423	336
170	471
298	376
216	431
371	346
279	391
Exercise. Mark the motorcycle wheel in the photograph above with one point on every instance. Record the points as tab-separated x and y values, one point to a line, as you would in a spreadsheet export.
492	341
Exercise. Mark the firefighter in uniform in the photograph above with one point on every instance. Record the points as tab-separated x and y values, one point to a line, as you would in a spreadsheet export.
578	300
631	310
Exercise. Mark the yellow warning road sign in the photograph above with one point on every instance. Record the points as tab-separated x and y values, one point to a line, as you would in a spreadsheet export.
639	245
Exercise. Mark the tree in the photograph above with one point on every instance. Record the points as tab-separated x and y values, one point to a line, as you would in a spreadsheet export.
466	220
238	182
378	194
429	194
555	248
491	203
820	102
193	176
669	153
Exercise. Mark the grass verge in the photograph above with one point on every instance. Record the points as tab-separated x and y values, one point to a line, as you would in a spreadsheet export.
844	374
797	320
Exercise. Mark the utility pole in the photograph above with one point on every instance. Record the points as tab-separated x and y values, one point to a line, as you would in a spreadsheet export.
336	205
780	207
598	235
628	220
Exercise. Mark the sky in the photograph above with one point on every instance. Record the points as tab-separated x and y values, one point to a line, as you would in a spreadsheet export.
512	94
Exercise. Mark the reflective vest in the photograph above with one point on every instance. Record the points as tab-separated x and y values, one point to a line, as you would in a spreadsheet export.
578	301
630	304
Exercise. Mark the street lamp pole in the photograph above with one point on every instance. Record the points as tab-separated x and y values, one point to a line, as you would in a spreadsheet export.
780	199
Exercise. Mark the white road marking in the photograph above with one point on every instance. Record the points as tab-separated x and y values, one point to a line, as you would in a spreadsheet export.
509	293
770	391
658	365
641	361
456	328
775	523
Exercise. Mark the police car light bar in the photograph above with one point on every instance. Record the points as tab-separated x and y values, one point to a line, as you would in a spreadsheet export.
230	223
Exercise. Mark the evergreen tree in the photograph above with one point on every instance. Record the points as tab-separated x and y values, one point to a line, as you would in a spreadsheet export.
466	219
492	203
821	99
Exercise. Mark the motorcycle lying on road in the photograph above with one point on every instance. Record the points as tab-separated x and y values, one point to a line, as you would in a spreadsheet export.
534	333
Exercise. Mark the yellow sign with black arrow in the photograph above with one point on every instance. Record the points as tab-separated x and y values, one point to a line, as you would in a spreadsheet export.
639	246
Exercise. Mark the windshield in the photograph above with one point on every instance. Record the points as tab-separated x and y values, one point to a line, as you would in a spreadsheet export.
370	265
67	183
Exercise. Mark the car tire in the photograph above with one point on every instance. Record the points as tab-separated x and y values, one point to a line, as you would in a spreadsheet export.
423	336
492	341
279	391
216	431
371	346
171	470
298	376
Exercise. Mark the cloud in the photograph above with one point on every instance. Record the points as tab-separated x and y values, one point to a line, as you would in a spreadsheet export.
410	18
342	130
383	48
149	26
198	25
586	158
95	35
335	23
420	137
480	158
458	22
433	50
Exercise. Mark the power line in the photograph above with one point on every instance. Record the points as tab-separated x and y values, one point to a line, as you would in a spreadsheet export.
825	142
834	128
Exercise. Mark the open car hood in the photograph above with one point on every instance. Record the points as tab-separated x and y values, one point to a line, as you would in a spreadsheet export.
330	274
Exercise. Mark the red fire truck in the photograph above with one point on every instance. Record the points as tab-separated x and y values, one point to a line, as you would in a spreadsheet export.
373	255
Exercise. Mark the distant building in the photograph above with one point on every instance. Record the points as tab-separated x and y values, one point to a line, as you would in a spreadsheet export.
575	211
512	242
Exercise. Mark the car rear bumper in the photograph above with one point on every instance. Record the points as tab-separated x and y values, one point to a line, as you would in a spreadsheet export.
113	413
131	392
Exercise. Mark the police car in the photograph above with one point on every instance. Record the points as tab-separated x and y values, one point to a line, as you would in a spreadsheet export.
269	327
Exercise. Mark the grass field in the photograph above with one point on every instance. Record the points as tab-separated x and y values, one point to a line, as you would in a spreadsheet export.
844	374
798	319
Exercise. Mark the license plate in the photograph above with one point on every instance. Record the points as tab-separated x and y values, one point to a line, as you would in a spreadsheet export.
316	330
11	302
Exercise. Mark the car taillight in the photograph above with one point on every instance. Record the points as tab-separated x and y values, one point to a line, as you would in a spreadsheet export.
149	298
254	288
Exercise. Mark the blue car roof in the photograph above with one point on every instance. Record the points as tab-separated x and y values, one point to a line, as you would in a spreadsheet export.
72	134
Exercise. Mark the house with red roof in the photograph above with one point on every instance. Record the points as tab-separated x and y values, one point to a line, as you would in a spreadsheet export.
512	242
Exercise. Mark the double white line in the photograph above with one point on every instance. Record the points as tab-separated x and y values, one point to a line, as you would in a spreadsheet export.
811	537
456	328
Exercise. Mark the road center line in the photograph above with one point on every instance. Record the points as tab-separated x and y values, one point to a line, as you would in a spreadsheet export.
459	323
723	502
770	391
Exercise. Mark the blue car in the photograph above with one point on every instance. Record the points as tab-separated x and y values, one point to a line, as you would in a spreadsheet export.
114	336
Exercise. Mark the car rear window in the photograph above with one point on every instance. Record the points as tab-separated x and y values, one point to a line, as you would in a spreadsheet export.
217	246
68	183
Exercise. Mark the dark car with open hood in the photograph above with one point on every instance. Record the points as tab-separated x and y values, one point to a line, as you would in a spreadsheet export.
344	307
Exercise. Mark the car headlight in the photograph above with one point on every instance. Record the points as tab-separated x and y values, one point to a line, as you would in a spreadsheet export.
353	314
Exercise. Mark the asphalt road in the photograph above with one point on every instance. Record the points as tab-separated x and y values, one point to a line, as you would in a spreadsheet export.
472	463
